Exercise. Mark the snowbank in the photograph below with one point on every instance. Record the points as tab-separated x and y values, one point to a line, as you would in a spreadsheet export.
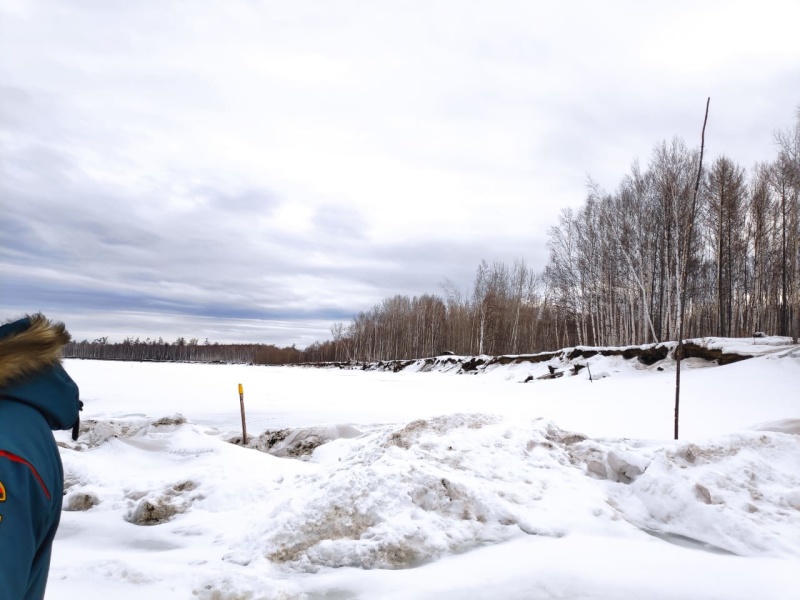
570	361
400	497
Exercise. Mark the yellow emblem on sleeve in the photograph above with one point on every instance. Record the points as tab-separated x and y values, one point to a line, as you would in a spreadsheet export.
2	492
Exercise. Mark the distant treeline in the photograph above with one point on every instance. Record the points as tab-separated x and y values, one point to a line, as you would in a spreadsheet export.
191	350
615	274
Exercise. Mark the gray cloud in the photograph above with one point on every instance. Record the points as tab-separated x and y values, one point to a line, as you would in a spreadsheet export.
257	170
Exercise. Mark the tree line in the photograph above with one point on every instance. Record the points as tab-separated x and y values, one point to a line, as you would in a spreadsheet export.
183	350
614	263
617	267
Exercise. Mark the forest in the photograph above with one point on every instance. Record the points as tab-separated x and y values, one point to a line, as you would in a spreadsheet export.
720	242
613	276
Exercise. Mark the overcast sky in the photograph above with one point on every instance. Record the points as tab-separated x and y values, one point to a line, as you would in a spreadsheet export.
255	171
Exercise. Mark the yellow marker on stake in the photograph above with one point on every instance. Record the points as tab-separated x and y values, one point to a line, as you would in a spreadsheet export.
241	405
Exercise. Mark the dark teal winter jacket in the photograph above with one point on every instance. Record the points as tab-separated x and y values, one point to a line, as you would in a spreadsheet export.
36	396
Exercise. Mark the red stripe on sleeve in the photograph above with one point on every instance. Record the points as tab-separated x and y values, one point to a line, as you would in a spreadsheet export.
19	459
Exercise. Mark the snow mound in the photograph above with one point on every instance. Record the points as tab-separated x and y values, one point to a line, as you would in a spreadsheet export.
781	426
739	493
408	495
94	432
298	443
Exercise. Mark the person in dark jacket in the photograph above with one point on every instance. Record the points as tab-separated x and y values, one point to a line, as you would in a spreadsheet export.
36	396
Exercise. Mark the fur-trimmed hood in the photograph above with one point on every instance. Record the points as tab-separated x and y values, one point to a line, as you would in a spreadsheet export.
30	345
31	371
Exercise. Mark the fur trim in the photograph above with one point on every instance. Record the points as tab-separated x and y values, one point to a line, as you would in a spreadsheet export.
33	349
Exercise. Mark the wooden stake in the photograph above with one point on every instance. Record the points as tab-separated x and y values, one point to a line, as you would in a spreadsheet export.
244	424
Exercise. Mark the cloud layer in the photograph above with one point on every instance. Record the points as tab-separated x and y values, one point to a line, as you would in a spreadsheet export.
255	171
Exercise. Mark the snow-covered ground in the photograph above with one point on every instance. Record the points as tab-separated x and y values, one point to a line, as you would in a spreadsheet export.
417	485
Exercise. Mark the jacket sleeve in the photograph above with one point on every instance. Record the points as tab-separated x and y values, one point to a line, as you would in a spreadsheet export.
24	500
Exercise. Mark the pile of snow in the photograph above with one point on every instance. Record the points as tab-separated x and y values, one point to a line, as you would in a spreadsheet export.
782	426
376	485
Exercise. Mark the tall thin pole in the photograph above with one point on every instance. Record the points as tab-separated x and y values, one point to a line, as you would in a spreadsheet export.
685	275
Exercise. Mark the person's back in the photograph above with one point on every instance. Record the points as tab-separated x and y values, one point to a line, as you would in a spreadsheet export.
36	395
